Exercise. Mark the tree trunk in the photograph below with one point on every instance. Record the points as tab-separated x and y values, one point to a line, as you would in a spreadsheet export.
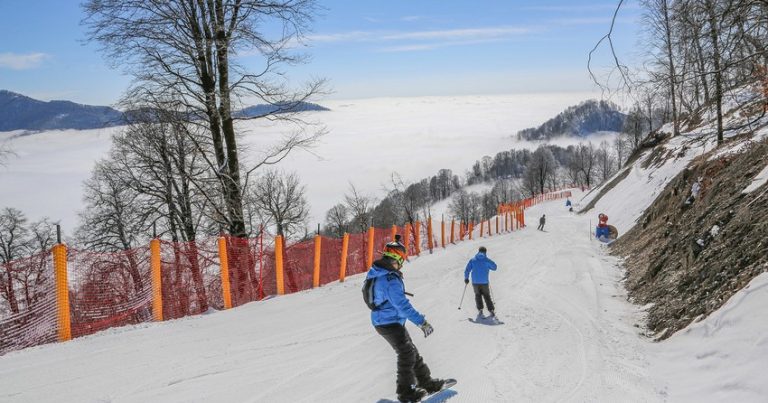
672	74
233	193
713	35
9	291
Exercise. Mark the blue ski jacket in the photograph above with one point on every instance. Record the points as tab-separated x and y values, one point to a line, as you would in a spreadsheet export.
478	266
389	297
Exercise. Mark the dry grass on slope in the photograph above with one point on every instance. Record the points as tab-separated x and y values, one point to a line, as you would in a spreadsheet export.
688	260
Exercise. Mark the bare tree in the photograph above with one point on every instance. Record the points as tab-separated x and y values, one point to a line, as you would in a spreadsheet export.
622	148
360	208
5	153
280	197
13	238
465	206
540	171
337	220
585	162
184	49
35	272
113	218
606	161
660	26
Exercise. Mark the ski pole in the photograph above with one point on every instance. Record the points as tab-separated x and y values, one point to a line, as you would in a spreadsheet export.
462	294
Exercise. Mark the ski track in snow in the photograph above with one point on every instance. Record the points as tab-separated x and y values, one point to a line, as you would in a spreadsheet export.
567	335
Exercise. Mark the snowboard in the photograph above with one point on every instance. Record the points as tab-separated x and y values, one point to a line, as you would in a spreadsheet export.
441	395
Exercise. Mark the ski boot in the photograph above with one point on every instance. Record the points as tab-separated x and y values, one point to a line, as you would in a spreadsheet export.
433	385
412	394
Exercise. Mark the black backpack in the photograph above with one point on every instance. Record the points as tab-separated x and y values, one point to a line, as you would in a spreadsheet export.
368	293
368	289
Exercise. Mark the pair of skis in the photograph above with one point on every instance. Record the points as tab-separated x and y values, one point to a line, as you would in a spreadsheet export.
486	320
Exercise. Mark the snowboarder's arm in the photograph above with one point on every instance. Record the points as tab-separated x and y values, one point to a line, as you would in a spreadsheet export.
396	293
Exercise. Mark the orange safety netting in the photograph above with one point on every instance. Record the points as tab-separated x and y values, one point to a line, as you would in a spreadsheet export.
247	260
28	314
356	253
115	289
108	289
330	259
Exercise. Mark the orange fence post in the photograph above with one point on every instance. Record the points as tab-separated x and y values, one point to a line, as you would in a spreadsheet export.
62	292
462	229
442	233
471	228
394	232
482	227
417	237
279	265
224	266
316	271
407	235
489	227
369	255
155	275
343	264
453	225
430	244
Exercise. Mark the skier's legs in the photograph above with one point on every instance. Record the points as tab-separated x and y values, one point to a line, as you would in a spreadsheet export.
478	296
486	290
410	364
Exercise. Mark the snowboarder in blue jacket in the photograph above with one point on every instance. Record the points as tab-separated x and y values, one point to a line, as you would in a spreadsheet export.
478	267
384	292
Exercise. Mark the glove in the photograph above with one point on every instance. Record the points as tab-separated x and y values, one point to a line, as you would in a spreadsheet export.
466	281
426	328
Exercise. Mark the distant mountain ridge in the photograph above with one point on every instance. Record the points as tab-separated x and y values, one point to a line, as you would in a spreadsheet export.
20	112
581	120
262	110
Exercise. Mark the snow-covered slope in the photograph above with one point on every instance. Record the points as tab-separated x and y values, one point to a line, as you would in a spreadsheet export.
625	203
568	335
722	358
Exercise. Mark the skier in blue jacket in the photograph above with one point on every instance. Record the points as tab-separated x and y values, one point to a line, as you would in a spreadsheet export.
478	267
385	295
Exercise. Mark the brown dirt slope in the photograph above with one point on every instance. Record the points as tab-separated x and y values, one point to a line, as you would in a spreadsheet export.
674	258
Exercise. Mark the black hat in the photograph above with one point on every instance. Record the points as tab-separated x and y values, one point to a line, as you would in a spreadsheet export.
482	249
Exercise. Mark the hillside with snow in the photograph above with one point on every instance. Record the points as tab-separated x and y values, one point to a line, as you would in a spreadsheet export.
570	331
569	334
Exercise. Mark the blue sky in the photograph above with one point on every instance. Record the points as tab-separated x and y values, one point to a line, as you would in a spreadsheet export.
365	48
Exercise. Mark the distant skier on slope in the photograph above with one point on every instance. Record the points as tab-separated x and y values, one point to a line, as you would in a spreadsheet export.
542	220
478	267
384	293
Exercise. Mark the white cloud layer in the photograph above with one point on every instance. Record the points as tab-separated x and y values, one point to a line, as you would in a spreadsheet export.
27	61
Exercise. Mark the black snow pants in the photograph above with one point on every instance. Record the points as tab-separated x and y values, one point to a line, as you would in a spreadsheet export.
483	291
410	365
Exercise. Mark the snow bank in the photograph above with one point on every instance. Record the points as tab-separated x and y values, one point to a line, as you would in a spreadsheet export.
758	181
723	357
627	201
